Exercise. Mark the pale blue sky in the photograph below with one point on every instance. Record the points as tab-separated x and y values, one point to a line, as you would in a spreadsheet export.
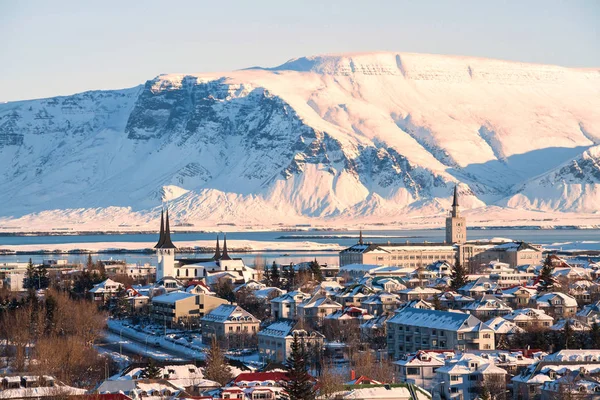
57	47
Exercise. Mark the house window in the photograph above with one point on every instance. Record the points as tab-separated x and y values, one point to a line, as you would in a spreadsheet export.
413	371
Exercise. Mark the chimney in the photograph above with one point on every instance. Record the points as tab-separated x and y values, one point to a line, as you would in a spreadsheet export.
352	375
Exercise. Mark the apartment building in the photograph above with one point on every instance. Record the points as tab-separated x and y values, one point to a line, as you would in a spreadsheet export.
227	319
179	306
415	329
274	342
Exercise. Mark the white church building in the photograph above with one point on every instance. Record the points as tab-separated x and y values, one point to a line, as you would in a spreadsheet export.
220	265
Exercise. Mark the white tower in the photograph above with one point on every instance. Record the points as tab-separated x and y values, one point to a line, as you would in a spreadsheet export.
165	251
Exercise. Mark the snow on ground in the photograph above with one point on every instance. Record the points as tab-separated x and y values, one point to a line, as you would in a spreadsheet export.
248	245
159	347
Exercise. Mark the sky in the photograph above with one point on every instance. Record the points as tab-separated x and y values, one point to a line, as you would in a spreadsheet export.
50	48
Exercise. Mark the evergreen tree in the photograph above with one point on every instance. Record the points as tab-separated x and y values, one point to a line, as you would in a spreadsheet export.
42	280
152	371
568	334
546	279
101	269
267	276
299	386
90	263
121	309
30	275
315	268
216	367
594	339
289	275
458	276
275	277
437	304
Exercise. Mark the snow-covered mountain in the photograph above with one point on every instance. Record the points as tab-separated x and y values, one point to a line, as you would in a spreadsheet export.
376	137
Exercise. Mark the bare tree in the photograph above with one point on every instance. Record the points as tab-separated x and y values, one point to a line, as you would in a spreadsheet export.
330	382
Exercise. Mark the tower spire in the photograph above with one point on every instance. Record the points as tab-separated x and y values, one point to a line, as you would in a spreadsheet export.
217	250
167	243
455	202
225	256
360	237
161	235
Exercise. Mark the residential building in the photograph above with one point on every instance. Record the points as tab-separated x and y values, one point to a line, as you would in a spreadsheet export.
275	340
488	307
420	368
506	276
286	305
530	318
225	320
531	382
315	309
174	307
556	304
418	293
590	314
453	300
464	375
353	295
381	303
102	292
412	329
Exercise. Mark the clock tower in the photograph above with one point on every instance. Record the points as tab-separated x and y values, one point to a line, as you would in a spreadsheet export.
456	226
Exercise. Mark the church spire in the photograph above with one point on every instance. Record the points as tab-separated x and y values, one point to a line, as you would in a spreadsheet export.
225	256
455	202
167	243
161	236
360	237
217	250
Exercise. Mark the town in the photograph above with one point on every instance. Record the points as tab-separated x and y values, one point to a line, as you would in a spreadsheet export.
454	320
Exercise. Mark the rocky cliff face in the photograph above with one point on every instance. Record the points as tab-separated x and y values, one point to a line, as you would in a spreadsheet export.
338	137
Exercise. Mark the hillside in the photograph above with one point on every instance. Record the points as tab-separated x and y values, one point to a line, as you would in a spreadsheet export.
335	139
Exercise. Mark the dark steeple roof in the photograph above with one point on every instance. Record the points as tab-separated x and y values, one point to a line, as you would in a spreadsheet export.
455	200
167	243
161	237
217	250
225	256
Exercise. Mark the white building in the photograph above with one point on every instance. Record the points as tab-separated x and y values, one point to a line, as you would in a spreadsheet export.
275	340
286	305
463	376
413	329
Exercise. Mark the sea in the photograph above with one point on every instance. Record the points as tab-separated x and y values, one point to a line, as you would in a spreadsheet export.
557	239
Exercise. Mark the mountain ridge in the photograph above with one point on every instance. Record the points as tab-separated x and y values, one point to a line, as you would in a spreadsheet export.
334	138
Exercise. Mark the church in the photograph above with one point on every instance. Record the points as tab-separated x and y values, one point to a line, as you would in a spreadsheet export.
211	269
456	248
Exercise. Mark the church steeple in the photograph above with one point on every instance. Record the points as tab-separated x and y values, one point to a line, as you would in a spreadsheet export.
166	242
225	256
456	226
360	237
161	236
455	211
217	250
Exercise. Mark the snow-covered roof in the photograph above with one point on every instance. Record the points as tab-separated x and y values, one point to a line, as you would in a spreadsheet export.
435	319
503	326
172	297
546	299
229	312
